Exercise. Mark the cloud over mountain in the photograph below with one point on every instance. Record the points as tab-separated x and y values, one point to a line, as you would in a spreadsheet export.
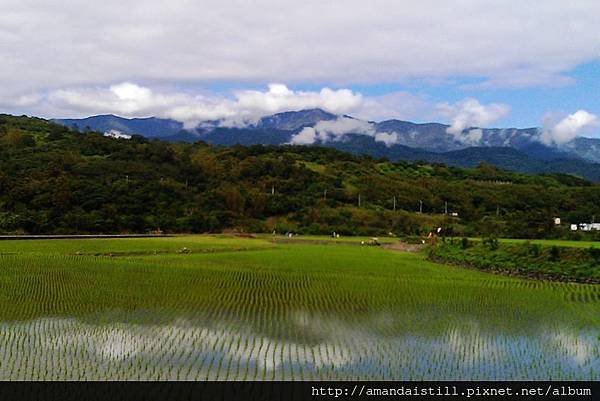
470	113
133	100
335	130
568	128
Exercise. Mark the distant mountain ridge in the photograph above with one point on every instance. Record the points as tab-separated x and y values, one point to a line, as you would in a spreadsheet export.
151	127
294	120
509	148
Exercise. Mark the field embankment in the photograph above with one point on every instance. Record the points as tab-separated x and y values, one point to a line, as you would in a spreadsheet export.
525	259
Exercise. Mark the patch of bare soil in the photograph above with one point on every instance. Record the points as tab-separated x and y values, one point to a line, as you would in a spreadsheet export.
404	247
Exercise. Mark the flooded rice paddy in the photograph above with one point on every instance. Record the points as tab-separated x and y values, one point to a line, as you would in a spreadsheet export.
258	311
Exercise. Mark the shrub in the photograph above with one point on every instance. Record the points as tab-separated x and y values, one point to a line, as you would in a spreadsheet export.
554	254
595	254
464	243
413	239
532	249
491	242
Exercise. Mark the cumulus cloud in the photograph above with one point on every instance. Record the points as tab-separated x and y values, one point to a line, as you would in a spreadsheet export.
389	138
61	43
243	107
307	136
469	113
279	97
400	105
336	130
568	128
237	108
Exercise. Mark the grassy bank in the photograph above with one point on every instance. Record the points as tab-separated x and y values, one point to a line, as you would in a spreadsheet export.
554	242
557	261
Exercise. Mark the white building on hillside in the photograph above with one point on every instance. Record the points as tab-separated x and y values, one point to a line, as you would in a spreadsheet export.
113	133
585	227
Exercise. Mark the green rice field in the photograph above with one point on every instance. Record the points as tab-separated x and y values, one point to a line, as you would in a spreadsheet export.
227	308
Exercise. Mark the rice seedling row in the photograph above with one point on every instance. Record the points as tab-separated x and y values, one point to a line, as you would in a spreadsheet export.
297	311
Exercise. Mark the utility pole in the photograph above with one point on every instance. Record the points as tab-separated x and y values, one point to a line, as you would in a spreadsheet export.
420	206
394	203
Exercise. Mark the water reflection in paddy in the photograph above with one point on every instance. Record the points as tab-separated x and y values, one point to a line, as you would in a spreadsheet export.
309	347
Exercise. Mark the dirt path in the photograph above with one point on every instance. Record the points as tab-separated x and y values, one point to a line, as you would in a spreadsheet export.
404	247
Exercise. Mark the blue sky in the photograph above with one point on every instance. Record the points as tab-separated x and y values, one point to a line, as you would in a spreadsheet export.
528	105
463	62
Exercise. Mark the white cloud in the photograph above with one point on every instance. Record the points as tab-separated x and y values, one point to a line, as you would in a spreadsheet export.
335	130
241	107
133	100
279	98
343	125
568	128
400	105
386	137
469	113
474	136
61	43
307	136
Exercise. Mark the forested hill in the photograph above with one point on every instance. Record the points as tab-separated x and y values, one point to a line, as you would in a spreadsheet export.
53	180
514	149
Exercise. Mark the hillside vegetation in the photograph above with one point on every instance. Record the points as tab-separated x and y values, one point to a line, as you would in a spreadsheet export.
510	149
53	180
529	259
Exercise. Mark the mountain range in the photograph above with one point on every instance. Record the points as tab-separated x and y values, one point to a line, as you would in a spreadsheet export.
508	148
